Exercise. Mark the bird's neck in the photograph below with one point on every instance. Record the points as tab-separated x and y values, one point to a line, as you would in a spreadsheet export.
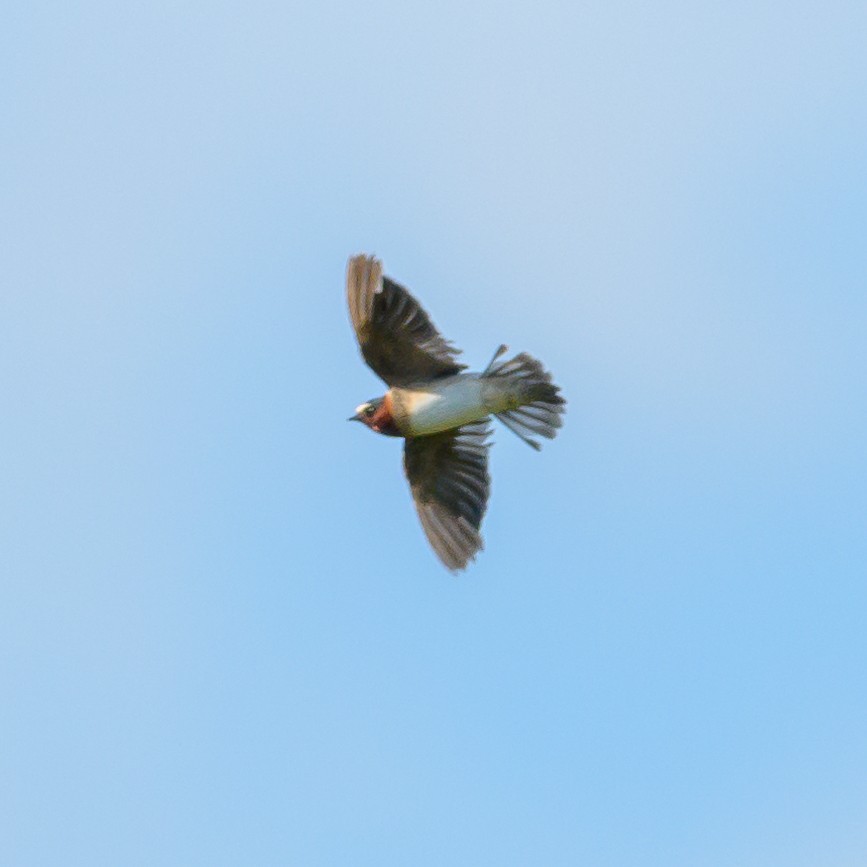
382	421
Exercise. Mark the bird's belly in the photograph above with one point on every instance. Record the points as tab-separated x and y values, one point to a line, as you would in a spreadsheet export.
443	406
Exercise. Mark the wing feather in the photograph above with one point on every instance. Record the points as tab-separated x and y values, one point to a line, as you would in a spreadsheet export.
396	336
448	477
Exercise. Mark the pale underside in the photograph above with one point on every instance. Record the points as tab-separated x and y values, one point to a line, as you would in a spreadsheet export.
449	403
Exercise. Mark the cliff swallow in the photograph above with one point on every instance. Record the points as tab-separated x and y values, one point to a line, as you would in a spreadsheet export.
440	411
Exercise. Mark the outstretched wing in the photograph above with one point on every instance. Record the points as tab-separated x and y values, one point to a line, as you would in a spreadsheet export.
396	336
448	476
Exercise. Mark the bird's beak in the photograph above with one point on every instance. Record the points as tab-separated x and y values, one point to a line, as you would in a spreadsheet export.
355	417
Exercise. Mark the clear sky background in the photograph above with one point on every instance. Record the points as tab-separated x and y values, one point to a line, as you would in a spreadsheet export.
223	637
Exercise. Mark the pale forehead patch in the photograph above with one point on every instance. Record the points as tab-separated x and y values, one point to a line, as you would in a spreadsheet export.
362	406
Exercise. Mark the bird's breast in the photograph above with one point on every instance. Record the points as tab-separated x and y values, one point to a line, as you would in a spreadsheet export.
445	404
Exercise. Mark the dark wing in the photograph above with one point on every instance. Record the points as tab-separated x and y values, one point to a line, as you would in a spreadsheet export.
396	336
448	476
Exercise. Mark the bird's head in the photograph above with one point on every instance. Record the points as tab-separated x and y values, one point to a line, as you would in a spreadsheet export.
376	414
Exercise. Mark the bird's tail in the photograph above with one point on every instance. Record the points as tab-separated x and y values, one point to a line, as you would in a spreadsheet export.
535	405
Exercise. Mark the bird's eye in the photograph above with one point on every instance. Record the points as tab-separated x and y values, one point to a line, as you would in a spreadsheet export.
369	410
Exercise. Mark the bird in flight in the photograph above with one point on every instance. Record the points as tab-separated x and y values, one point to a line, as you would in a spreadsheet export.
441	411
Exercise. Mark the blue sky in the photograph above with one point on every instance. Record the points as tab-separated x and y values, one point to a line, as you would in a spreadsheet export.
223	638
